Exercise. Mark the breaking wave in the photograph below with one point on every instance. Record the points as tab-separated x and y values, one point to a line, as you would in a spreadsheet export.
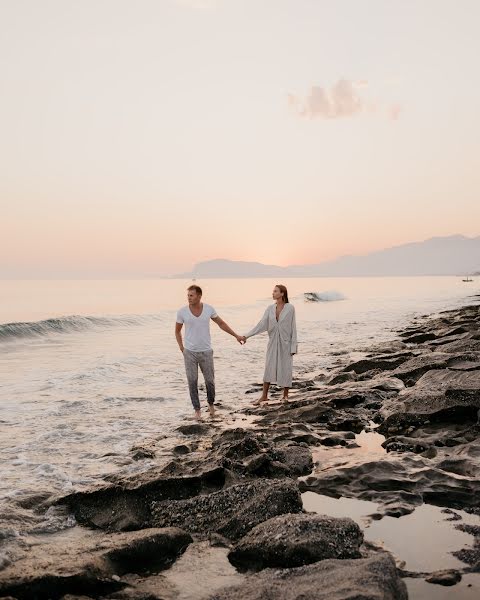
330	296
12	331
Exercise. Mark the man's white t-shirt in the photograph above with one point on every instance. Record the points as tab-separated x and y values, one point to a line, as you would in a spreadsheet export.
197	329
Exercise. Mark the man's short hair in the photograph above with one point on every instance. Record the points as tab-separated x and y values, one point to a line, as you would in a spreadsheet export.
196	288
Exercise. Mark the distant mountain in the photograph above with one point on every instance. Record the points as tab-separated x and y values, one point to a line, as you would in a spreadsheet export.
452	255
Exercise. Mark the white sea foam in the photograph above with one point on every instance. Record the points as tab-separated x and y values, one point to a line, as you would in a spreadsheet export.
328	296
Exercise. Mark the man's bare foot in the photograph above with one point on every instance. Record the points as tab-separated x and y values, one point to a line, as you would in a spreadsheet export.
285	399
211	410
198	415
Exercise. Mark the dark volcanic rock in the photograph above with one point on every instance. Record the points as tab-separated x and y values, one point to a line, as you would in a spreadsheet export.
471	344
372	578
385	363
235	455
392	384
404	444
125	505
419	338
296	540
89	562
415	367
194	429
442	395
341	378
232	512
253	454
448	577
148	552
471	556
312	412
400	482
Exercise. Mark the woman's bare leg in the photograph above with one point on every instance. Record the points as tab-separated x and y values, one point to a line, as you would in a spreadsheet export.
285	395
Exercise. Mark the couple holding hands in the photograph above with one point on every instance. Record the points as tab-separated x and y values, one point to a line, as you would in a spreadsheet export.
278	320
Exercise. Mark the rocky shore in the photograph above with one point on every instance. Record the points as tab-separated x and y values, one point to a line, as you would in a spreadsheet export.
225	517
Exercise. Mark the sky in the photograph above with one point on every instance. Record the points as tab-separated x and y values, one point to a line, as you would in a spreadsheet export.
138	137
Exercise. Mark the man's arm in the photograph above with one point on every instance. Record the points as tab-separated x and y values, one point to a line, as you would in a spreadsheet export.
178	335
221	323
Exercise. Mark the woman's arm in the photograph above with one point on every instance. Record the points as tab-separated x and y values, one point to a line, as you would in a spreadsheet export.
260	327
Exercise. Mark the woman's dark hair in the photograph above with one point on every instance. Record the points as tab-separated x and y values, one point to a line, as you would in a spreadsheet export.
284	291
196	288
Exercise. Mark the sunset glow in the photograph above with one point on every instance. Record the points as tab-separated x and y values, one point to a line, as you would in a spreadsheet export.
139	138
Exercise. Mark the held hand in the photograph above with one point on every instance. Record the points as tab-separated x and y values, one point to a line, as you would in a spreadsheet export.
241	339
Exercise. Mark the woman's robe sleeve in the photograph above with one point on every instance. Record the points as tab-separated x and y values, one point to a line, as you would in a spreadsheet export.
260	327
294	343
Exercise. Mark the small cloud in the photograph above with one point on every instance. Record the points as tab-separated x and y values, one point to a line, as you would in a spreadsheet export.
340	101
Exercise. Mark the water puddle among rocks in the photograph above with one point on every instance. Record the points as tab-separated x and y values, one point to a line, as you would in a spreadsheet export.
199	572
467	589
421	541
366	446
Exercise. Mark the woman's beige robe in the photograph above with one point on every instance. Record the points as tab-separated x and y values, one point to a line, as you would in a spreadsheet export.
282	344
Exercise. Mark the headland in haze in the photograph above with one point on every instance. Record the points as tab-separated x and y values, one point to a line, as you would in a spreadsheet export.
451	255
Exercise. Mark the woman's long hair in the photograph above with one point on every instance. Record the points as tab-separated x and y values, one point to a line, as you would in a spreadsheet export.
284	291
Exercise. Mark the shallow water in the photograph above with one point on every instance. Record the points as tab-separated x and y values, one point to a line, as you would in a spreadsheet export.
421	541
78	393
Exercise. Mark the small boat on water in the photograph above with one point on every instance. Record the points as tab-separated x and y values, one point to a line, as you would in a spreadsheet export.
467	280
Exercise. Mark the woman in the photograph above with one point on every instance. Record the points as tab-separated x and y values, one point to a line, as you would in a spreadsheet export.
279	321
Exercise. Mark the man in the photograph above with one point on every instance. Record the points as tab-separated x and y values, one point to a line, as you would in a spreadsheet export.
197	350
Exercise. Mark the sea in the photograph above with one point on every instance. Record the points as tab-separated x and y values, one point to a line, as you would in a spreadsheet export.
90	369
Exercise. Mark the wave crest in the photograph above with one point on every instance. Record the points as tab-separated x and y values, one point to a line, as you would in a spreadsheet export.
329	296
73	323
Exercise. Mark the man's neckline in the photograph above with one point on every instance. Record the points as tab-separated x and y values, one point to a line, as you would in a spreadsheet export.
201	312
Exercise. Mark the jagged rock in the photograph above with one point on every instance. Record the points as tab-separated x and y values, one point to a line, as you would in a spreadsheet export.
345	421
415	367
448	577
441	394
194	429
403	481
405	444
386	363
392	384
141	453
312	412
231	512
125	504
181	449
90	562
341	378
419	338
295	540
369	579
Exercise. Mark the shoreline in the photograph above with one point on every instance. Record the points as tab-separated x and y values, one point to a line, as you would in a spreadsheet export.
238	482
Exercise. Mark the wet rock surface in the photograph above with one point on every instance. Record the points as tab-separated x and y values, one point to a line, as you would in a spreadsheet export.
89	563
368	579
450	577
231	512
296	540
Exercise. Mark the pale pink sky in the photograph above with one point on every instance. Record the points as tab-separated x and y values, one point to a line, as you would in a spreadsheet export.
138	138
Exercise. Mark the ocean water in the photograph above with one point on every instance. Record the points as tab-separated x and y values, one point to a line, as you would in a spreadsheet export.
89	369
